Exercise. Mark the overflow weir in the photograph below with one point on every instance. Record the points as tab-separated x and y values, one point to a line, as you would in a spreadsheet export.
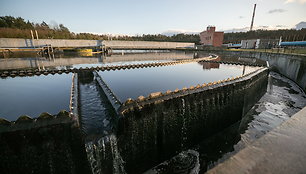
143	136
147	127
135	132
130	132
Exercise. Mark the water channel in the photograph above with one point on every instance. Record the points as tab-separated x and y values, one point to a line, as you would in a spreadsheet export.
109	142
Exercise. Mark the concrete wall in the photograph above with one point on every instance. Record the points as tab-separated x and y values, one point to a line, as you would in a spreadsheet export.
48	144
115	44
280	151
24	43
291	66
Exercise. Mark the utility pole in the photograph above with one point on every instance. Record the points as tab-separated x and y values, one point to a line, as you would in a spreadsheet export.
253	18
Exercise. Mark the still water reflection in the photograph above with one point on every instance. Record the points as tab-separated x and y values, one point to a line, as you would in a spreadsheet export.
132	83
77	61
34	95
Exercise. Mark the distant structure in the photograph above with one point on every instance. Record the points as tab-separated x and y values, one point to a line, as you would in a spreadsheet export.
211	37
253	18
259	43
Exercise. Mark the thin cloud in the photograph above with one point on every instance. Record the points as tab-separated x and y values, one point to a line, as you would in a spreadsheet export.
299	1
281	26
277	11
179	31
261	27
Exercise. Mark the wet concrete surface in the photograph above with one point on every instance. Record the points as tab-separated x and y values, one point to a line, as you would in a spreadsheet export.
282	100
280	151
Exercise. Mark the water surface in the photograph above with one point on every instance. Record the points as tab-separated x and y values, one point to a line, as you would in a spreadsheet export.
132	83
95	109
77	61
34	95
37	94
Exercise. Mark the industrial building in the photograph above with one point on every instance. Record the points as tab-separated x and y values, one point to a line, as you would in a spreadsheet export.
259	43
212	38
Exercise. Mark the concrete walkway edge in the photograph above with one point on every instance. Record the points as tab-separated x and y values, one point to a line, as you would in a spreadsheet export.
283	150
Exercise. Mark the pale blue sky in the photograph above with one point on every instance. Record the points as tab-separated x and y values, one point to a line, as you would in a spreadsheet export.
156	16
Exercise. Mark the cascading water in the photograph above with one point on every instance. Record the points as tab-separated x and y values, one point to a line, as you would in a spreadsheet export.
118	163
104	156
183	129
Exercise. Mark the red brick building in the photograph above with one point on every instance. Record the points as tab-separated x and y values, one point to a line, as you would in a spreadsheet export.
211	37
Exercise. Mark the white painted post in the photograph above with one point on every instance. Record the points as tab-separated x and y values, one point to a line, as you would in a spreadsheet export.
32	39
32	35
36	34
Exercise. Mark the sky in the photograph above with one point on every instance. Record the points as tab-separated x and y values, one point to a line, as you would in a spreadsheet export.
137	17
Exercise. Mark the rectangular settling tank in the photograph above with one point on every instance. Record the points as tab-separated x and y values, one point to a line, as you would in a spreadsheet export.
34	95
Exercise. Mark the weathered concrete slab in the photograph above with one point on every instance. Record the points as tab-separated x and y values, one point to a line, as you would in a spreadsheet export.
280	151
30	43
116	44
289	65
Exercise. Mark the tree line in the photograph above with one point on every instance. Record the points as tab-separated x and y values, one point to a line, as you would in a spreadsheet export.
11	27
286	34
17	27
